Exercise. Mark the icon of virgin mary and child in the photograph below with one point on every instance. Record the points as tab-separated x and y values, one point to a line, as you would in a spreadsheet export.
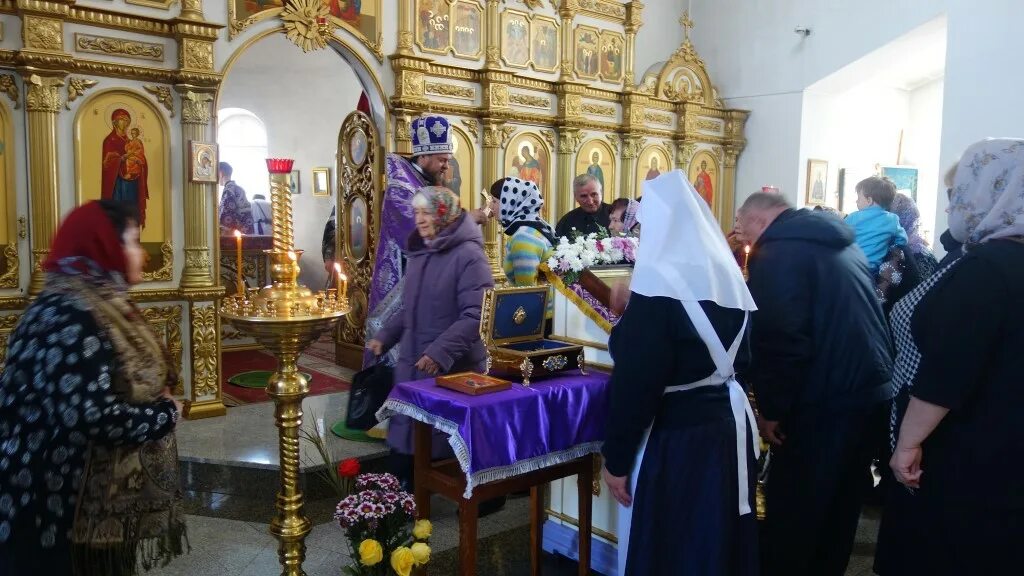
125	172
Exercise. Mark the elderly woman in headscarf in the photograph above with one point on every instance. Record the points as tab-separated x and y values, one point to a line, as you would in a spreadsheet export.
438	327
88	462
680	447
905	209
517	204
623	217
959	335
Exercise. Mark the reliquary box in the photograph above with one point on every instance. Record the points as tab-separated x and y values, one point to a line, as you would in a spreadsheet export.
512	327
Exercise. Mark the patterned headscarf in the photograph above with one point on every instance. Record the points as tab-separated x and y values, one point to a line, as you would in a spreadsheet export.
910	219
988	192
521	203
629	220
441	202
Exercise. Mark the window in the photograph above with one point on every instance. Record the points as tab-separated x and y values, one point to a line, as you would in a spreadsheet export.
243	144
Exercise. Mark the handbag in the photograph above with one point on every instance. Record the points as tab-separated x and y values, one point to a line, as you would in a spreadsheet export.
370	388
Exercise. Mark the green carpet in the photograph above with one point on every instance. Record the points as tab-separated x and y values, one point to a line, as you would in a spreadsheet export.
341	431
257	378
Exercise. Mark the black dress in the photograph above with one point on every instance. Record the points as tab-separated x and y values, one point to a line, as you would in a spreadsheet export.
968	515
685	510
56	396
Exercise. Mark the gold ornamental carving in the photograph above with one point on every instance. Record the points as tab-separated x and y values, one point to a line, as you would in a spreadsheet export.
43	94
118	47
405	40
473	128
118	21
166	321
7	324
195	107
530	101
497	95
197	258
190	9
307	23
549	137
685	154
10	87
196	54
438	89
162	95
603	9
614	140
599	110
204	351
571	106
409	84
165	5
631	146
569	142
43	34
76	88
166	270
533	4
10	275
658	118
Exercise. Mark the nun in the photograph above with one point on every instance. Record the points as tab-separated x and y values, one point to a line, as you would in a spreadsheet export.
680	451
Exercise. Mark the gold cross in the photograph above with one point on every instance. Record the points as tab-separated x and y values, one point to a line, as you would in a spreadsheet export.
687	24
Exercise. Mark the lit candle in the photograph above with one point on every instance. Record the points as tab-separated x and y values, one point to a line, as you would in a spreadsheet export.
342	281
240	288
746	256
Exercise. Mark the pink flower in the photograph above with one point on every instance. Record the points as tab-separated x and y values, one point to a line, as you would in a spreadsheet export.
600	246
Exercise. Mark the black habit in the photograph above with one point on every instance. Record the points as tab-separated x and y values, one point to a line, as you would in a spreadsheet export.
584	222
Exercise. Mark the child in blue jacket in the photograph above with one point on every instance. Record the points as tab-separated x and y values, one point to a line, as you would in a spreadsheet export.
877	230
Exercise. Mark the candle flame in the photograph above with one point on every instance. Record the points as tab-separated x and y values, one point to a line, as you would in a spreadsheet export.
746	249
238	233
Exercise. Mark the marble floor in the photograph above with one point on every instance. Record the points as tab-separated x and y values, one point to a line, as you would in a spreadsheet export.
230	475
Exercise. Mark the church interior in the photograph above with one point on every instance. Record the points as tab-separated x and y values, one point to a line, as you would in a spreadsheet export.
802	99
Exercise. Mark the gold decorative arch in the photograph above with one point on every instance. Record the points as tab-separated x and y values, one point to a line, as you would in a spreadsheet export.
518	165
151	151
9	264
605	169
684	77
242	15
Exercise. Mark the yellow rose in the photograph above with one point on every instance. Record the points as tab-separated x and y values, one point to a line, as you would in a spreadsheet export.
422	529
421	552
402	561
370	552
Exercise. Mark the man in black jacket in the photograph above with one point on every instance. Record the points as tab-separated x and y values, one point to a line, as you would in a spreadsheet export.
821	369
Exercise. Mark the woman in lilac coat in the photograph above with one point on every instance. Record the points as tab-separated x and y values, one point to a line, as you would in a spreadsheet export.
438	328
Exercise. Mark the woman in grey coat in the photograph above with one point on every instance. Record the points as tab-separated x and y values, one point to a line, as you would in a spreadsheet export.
438	328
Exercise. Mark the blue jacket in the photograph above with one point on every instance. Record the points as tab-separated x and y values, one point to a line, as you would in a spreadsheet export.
876	231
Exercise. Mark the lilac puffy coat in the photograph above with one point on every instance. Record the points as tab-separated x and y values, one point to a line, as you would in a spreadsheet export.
440	316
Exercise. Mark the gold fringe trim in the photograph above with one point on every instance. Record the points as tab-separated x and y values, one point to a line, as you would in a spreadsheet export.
573	297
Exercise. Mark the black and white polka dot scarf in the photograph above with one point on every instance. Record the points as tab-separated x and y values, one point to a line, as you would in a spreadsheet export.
521	203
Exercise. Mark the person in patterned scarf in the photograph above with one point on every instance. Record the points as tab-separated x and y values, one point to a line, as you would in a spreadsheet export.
89	481
235	210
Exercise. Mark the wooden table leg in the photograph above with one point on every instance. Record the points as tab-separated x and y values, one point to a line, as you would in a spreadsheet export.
468	511
422	452
585	489
536	529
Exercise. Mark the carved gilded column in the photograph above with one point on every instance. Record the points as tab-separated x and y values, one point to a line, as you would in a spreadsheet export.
405	27
493	140
734	143
634	20
192	10
567	12
569	141
631	145
42	103
195	119
492	52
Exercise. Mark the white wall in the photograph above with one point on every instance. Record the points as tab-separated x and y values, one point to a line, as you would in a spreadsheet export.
922	148
302	99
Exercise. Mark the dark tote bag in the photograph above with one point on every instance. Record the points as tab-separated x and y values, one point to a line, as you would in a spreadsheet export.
370	387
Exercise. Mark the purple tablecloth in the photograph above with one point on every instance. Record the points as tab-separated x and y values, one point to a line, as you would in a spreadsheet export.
512	432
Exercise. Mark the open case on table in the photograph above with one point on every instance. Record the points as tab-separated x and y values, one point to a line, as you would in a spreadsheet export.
512	327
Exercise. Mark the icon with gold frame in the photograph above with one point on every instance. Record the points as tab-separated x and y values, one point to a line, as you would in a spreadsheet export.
545	53
202	162
322	181
597	159
588	52
515	38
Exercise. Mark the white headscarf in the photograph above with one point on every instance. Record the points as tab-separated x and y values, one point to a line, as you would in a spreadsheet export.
683	254
988	192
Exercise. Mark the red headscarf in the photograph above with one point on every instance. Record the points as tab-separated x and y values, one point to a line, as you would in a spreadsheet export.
87	232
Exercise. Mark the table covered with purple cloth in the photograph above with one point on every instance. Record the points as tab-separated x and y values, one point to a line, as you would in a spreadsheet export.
512	432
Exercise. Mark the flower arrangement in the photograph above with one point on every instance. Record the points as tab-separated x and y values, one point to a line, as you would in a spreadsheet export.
573	257
376	518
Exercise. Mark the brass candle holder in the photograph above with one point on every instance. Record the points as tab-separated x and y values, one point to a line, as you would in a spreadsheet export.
285	318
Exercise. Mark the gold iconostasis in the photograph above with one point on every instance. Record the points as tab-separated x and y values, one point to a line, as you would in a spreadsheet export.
121	101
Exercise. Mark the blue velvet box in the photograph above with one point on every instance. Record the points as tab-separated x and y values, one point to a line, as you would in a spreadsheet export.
512	327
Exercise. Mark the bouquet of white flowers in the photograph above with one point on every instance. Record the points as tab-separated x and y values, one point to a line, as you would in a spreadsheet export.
573	257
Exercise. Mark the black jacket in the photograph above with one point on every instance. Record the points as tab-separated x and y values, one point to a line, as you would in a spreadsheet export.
818	338
953	248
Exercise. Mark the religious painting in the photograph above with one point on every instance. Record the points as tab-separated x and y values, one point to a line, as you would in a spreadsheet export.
597	159
322	181
467	29
817	179
358	227
203	166
459	176
528	158
122	153
362	17
433	29
612	48
904	177
294	185
357	147
8	203
246	12
515	38
653	162
545	44
704	176
587	52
